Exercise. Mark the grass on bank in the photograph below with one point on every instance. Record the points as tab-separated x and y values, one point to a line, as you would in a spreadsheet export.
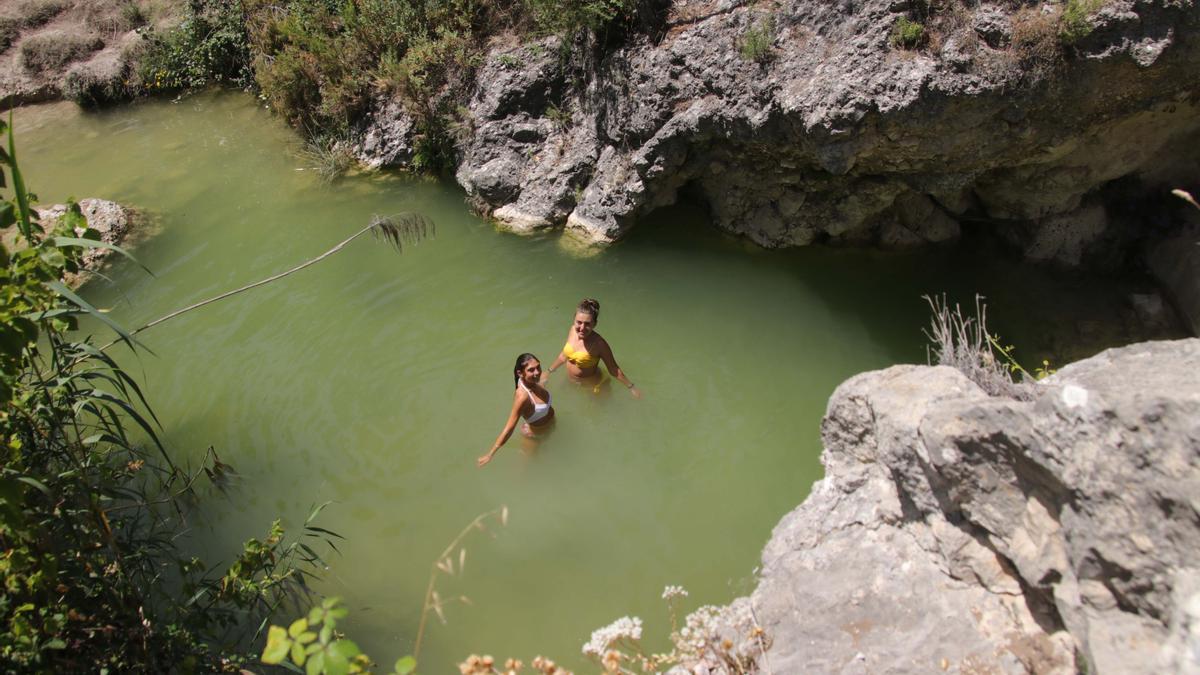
1041	35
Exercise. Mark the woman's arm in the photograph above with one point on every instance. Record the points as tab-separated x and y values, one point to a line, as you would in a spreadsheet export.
610	362
554	366
513	416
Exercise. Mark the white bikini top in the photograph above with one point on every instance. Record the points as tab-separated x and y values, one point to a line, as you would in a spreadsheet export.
540	410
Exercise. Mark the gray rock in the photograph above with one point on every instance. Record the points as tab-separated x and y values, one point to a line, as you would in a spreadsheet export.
388	137
993	24
109	219
840	122
1181	654
958	532
1175	262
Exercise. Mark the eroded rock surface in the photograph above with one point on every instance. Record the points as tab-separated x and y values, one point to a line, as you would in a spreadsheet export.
958	532
832	134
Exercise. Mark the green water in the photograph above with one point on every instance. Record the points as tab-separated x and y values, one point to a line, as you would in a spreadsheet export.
374	380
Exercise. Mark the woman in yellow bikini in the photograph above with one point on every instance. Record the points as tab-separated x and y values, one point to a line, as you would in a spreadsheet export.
585	349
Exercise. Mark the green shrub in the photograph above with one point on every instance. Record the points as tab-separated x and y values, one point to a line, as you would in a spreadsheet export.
319	63
1075	24
755	43
569	17
210	46
907	34
52	51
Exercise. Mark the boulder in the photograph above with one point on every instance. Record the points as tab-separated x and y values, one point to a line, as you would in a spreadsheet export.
960	532
111	220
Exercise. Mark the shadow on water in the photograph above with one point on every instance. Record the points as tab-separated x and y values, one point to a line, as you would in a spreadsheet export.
1053	314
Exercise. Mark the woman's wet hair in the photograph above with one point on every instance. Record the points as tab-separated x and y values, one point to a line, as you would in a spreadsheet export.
590	306
521	361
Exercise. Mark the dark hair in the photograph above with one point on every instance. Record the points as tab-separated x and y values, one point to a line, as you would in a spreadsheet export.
590	306
521	361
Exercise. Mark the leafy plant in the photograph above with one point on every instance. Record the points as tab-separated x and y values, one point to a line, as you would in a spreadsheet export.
312	642
509	60
1075	22
907	34
209	46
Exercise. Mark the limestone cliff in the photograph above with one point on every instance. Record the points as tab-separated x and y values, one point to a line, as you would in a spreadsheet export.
963	533
823	130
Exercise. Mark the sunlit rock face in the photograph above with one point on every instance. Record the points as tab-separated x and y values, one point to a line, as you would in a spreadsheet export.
834	134
960	532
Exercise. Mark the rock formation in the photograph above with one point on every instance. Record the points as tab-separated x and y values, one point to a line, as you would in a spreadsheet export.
109	219
962	533
822	130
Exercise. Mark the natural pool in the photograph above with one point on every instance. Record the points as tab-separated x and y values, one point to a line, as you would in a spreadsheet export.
374	380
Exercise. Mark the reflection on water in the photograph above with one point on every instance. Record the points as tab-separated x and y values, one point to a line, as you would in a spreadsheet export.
374	379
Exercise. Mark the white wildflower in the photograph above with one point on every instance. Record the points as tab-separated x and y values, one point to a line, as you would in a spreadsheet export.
673	592
624	627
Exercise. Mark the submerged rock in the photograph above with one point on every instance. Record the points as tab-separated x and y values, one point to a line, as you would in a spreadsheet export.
959	532
111	220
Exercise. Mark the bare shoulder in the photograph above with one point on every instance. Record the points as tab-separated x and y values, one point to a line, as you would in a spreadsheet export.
601	342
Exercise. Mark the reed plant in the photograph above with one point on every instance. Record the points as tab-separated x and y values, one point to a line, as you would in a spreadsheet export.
92	502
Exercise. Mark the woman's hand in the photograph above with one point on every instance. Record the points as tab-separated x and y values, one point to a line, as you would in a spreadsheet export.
483	460
633	391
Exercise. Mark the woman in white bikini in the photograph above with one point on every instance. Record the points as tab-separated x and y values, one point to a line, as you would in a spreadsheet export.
585	349
530	400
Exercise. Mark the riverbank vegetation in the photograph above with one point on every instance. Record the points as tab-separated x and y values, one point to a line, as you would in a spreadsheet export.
92	503
320	63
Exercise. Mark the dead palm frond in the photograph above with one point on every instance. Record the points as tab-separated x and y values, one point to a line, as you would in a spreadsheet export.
400	230
1185	196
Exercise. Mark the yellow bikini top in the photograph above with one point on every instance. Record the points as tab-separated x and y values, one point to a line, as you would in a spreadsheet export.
581	358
